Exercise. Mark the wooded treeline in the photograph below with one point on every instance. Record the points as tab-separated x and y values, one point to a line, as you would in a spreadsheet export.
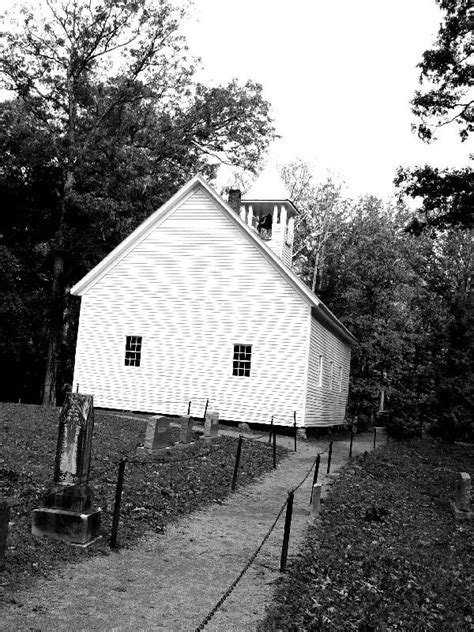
109	120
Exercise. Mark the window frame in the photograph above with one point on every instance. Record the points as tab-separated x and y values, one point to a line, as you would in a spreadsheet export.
241	366
133	351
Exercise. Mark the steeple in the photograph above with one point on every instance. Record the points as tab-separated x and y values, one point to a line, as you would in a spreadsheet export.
267	208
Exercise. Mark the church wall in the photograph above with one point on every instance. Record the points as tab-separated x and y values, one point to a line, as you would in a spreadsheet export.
192	289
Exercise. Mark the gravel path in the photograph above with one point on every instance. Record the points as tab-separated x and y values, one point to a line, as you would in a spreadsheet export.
171	582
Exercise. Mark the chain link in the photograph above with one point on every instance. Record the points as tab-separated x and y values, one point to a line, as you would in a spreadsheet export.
206	620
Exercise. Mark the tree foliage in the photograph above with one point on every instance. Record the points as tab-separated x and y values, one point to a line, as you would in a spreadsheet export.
447	75
408	301
445	99
107	123
322	213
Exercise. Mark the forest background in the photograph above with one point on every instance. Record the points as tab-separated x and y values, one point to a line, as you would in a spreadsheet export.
109	120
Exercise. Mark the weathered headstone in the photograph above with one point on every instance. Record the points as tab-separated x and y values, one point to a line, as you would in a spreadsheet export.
316	500
462	502
157	436
211	424
186	429
4	519
69	513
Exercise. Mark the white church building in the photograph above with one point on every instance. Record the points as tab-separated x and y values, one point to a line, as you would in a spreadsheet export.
200	304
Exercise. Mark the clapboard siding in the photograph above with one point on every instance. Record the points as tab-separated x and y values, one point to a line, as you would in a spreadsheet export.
325	404
192	288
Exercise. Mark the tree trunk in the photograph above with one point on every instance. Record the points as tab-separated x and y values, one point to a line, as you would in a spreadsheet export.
55	332
57	303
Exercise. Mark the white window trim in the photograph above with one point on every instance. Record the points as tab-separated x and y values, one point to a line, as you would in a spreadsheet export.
320	368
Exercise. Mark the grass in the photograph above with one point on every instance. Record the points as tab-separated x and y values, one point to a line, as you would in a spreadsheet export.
386	552
154	494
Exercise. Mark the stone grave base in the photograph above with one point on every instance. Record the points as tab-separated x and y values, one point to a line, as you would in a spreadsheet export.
209	439
459	514
72	527
152	453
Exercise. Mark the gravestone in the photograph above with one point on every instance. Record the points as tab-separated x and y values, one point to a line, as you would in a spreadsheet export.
186	429
157	436
69	513
211	424
462	502
4	520
316	500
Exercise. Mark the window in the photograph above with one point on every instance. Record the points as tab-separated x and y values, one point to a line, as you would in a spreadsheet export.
340	379
133	350
320	376
331	372
241	362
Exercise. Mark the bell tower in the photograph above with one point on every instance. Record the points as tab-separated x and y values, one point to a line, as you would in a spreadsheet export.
267	209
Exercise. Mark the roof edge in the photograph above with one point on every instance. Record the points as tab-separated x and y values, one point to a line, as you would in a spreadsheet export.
122	248
82	286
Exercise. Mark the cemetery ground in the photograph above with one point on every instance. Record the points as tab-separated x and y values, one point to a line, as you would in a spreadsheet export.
386	552
153	496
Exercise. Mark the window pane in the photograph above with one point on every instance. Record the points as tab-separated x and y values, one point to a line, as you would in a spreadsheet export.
242	360
133	346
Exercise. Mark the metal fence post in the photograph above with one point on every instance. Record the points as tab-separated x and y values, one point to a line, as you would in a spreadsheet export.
315	476
350	445
294	424
236	466
205	410
189	407
286	534
329	457
274	450
271	431
117	503
375	436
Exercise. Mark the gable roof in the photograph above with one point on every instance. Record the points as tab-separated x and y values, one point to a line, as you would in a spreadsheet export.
320	311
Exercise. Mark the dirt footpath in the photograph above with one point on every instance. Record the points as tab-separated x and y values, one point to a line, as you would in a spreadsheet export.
172	581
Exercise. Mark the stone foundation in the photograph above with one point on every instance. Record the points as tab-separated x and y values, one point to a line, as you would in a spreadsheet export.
68	526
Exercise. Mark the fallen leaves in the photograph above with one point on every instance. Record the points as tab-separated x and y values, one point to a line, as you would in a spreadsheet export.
404	568
154	494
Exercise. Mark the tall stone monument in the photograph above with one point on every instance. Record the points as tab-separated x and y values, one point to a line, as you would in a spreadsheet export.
69	513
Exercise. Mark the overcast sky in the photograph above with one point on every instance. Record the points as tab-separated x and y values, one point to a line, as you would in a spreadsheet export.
339	76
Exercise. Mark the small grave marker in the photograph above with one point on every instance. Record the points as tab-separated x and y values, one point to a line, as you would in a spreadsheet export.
186	429
157	436
462	502
316	500
211	424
